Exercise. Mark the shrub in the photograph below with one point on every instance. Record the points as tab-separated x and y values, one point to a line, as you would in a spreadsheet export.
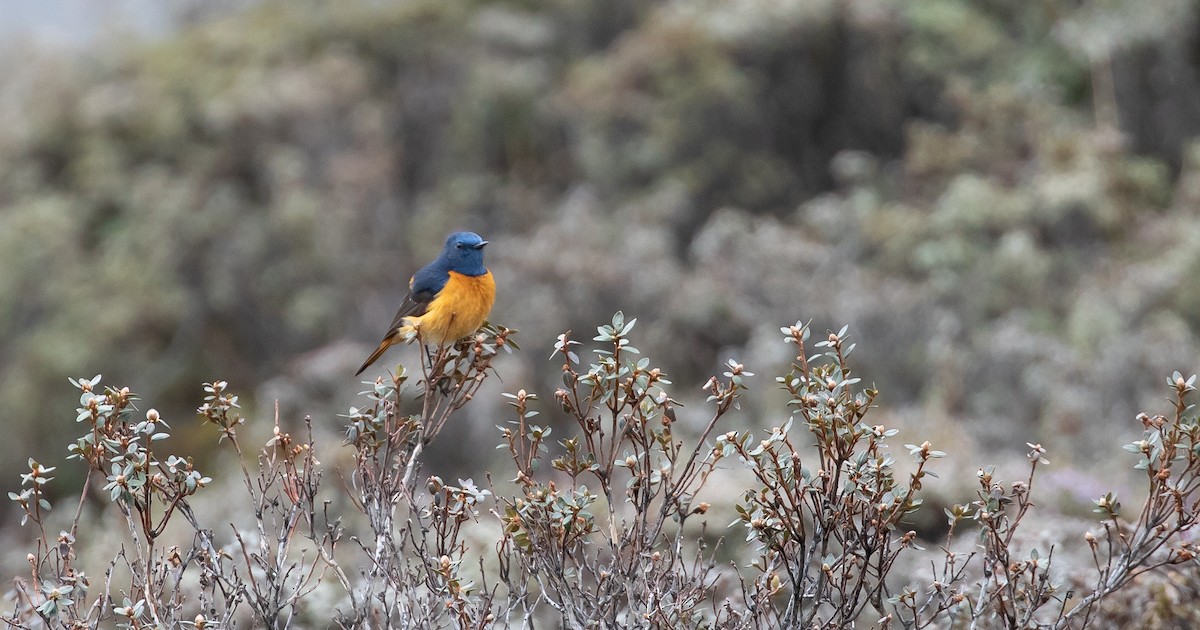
603	528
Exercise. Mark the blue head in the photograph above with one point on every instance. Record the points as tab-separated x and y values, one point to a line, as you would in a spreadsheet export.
464	253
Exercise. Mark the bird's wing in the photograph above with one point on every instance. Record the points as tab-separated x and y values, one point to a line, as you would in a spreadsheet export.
414	304
422	289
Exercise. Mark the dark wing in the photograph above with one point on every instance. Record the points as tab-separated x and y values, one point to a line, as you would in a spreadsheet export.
414	305
421	293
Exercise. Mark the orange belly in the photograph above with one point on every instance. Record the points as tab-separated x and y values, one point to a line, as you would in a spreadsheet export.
459	309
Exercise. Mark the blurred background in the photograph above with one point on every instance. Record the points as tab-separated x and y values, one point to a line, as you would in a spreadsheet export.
1002	200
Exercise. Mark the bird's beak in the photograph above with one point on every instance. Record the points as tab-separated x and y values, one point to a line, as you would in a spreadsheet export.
481	244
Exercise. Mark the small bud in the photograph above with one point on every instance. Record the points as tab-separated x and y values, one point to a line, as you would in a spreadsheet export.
152	415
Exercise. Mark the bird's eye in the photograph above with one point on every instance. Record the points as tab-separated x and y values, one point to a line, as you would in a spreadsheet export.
458	246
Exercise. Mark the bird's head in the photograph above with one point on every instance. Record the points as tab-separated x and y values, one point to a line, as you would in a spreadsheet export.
464	253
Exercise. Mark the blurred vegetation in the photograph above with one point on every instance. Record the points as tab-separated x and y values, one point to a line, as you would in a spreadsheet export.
1002	197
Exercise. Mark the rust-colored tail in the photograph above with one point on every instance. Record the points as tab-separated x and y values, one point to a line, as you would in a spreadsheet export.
383	346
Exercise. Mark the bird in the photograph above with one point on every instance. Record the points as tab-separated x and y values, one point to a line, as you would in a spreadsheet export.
448	299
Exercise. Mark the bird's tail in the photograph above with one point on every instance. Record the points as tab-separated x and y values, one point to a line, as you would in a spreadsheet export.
383	346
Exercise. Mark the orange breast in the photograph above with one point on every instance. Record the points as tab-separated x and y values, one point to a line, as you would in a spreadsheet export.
459	309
